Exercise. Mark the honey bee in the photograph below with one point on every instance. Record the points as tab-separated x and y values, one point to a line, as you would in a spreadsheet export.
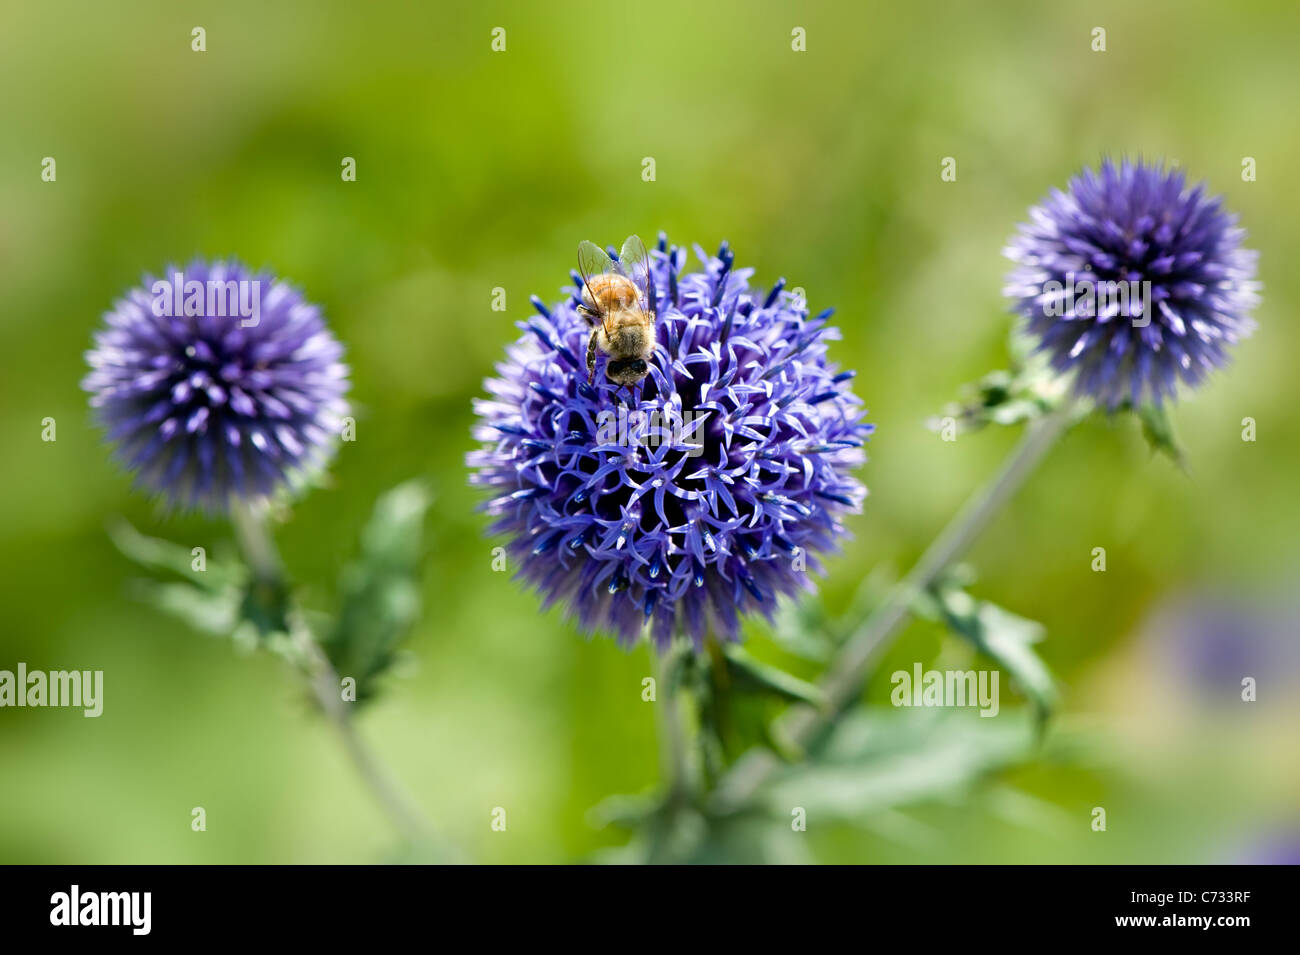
616	300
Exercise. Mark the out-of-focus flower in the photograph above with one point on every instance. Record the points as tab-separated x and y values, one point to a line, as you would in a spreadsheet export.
703	498
1133	281
1210	641
1273	847
216	384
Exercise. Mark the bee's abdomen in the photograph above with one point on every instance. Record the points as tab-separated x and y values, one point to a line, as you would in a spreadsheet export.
629	334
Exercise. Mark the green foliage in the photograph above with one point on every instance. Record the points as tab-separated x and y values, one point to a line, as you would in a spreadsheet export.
881	758
379	598
513	700
1005	637
1024	392
749	675
1158	430
874	762
380	590
212	601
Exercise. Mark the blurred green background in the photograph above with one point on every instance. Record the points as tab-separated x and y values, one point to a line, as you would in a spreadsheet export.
478	170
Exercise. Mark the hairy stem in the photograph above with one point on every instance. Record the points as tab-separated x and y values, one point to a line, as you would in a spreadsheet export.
264	561
848	671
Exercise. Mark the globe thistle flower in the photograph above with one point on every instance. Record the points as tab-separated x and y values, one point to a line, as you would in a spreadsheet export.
700	495
1133	282
216	384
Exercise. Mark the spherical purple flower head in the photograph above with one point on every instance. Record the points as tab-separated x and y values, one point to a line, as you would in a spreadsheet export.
704	494
1133	281
217	384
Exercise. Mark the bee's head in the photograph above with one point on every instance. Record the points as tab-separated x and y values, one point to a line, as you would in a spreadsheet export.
626	371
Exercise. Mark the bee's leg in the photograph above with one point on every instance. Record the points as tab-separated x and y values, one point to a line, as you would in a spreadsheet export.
591	355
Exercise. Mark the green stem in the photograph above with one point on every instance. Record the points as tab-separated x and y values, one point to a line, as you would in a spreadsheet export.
847	674
672	733
266	566
719	695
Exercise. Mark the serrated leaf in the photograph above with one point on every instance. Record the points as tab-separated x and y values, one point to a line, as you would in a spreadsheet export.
379	591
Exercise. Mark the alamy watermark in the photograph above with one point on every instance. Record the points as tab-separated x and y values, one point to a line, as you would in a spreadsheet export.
76	907
629	428
924	687
84	688
1085	296
214	298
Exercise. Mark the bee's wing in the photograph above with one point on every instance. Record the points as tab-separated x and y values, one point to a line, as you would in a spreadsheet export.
635	264
592	261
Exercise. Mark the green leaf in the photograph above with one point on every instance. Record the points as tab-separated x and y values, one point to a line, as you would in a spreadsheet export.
753	676
623	811
1159	432
211	612
882	758
379	591
1002	635
157	554
215	600
683	836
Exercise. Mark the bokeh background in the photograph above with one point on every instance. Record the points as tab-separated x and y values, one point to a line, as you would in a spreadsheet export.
478	170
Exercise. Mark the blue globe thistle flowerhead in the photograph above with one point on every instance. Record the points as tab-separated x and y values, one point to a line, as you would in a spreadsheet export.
1133	282
217	385
687	501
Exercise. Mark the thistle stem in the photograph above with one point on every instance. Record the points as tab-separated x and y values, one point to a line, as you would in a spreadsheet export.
264	561
719	696
672	734
848	671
